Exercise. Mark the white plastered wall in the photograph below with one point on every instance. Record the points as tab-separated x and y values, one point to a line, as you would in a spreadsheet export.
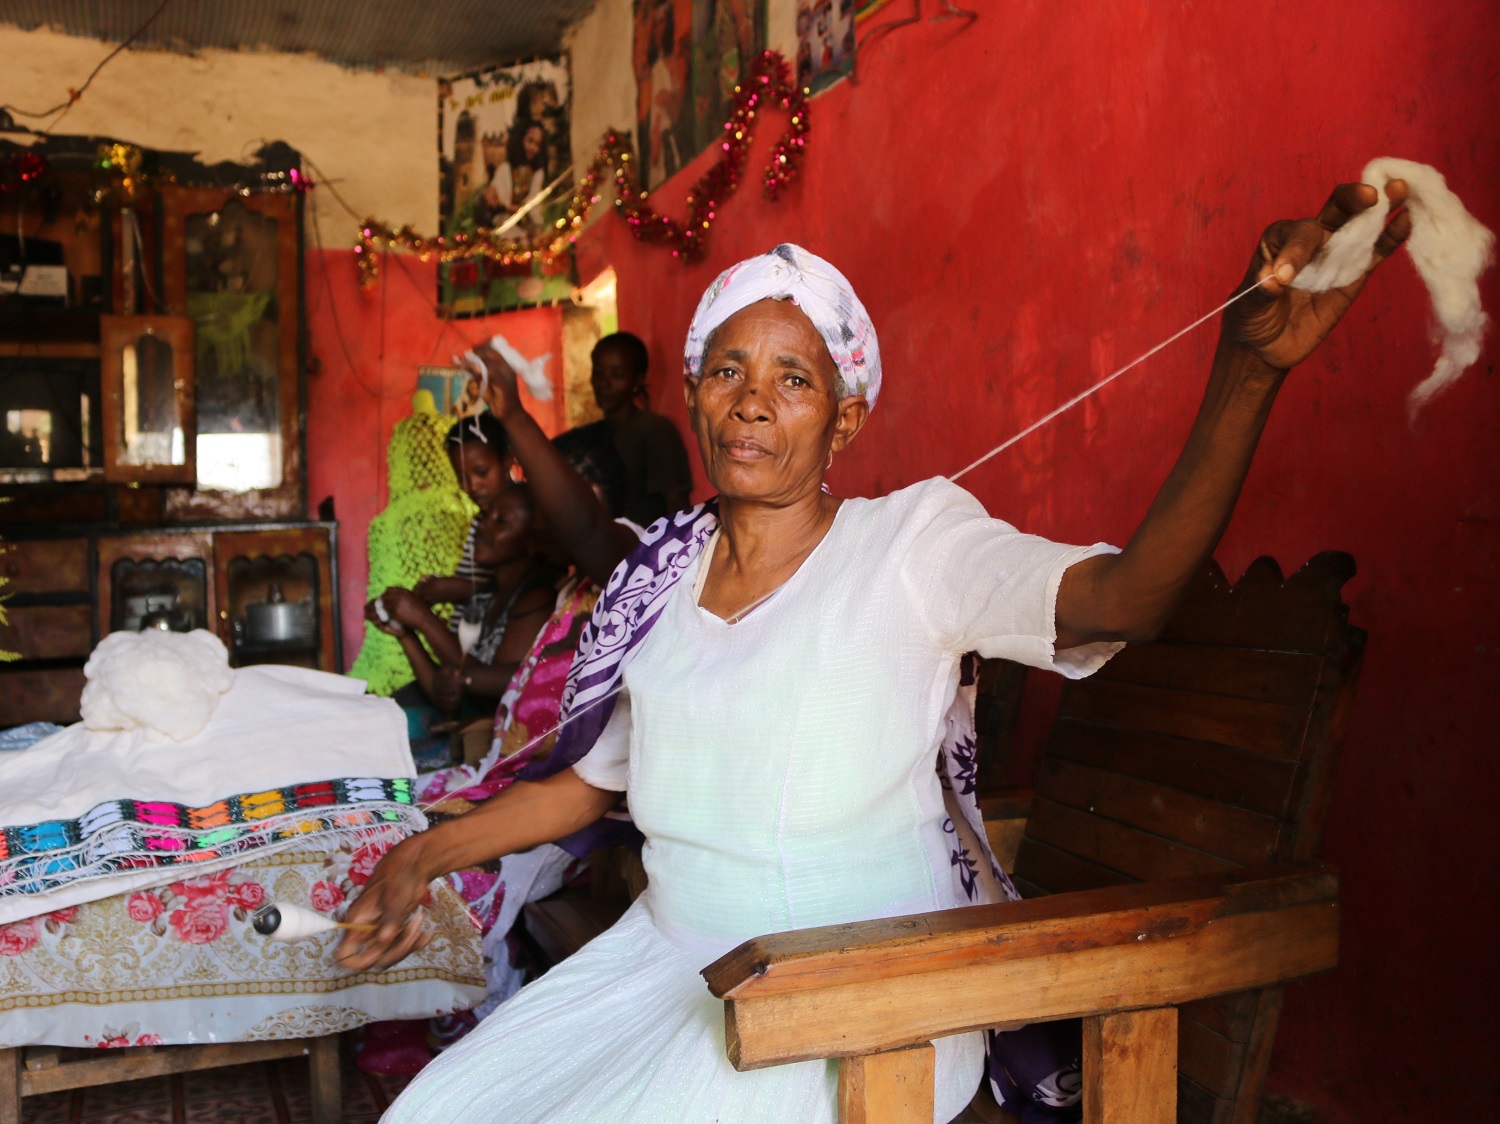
374	136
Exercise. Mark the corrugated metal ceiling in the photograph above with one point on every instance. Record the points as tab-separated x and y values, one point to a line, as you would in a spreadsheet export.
439	36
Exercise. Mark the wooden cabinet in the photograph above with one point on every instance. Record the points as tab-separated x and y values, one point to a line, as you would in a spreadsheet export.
275	594
155	571
221	437
68	592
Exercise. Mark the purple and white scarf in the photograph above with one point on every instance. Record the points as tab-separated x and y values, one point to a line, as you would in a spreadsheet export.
631	605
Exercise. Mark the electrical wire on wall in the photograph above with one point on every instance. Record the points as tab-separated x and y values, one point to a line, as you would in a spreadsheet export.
60	110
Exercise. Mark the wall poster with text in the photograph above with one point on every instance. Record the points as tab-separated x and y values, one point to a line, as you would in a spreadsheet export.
689	56
503	136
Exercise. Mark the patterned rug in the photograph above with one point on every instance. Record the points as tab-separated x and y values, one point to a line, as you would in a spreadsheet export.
260	1093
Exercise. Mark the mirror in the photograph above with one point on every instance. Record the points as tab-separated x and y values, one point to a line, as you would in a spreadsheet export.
146	367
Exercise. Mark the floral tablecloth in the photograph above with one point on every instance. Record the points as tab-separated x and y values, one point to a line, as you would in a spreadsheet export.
180	963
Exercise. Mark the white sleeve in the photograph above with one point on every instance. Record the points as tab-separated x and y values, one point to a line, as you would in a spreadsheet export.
607	765
981	585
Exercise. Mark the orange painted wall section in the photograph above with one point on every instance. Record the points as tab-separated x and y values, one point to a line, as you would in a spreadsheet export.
1029	201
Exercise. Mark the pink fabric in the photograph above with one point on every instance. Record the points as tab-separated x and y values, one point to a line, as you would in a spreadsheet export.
531	705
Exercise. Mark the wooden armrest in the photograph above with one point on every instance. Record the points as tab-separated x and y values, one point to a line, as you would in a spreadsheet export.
880	985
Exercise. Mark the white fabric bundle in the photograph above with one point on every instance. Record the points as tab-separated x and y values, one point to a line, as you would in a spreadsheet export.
532	372
165	684
1449	247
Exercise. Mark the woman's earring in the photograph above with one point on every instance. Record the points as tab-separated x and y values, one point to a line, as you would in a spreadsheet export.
829	465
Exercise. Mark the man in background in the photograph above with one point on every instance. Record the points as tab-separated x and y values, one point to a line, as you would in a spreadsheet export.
656	463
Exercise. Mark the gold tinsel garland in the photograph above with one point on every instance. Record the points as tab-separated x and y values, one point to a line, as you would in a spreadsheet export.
769	86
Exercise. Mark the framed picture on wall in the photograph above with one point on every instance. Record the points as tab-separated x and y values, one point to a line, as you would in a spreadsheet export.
503	137
689	55
447	385
825	42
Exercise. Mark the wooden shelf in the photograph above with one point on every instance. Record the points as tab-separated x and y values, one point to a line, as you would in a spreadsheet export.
27	324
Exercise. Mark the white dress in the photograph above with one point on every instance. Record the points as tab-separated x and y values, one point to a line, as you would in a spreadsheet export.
783	772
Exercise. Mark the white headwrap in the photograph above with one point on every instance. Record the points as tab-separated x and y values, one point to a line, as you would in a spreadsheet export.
822	293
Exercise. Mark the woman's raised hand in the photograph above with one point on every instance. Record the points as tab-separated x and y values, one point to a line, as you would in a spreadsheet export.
404	606
1281	325
501	394
392	901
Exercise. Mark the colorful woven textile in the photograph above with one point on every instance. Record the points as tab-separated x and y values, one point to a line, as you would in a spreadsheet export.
120	836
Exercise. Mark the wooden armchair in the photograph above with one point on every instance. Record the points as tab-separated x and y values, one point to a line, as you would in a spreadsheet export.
1180	801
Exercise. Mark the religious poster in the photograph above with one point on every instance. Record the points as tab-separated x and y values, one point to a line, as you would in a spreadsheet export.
503	138
689	56
663	70
727	35
825	42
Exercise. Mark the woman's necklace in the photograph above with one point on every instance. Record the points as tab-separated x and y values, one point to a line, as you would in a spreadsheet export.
702	581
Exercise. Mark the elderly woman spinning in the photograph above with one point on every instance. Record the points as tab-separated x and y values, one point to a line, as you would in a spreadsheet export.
774	678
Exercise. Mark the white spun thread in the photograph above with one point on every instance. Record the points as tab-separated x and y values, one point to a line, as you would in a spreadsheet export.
1102	383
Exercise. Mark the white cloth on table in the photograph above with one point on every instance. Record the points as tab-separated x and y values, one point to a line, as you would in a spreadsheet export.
783	772
277	726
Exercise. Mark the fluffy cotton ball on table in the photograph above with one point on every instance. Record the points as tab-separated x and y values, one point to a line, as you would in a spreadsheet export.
166	684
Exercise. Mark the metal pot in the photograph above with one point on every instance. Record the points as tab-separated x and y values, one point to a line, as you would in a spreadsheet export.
279	622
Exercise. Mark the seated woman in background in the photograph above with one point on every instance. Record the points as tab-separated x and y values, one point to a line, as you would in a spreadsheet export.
481	461
460	677
522	585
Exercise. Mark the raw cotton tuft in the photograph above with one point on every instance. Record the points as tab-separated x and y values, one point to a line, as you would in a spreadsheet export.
165	683
1450	249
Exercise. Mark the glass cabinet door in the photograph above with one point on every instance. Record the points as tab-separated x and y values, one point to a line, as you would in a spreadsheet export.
276	596
230	263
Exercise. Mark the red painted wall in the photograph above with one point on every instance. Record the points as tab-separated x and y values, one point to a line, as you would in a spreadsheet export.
1028	202
367	347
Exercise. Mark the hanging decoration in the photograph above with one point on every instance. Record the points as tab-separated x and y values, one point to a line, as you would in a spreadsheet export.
120	171
769	86
23	171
